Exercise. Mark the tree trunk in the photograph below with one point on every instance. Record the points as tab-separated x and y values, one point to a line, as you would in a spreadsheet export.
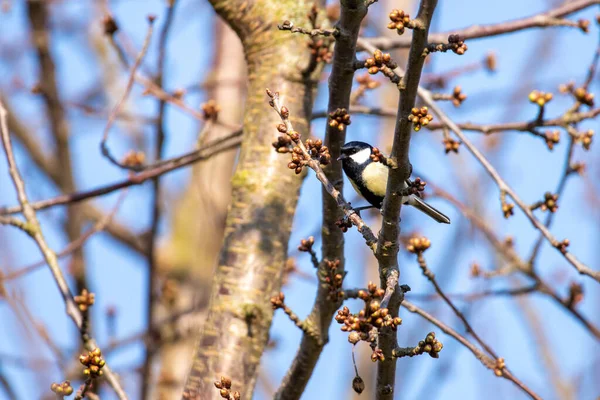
264	200
191	255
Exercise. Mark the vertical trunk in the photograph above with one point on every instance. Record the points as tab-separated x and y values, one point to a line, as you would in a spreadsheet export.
264	199
191	255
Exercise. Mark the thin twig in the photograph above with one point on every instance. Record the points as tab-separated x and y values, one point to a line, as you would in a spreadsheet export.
515	261
581	267
487	129
431	277
425	95
349	212
352	13
550	18
146	381
225	143
388	245
72	246
482	357
113	115
35	231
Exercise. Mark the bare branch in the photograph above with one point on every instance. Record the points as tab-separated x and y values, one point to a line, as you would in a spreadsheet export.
34	230
484	359
352	12
551	18
212	148
387	245
113	115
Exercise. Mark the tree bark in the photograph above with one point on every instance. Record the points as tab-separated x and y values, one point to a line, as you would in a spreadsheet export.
190	255
264	200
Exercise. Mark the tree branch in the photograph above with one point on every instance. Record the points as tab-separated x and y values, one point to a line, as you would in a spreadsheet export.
550	18
146	381
482	357
387	245
212	148
34	230
352	13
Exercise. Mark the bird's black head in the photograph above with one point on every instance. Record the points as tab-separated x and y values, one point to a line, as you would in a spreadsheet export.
356	153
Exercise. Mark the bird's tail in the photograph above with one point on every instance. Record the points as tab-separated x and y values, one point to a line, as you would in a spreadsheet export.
419	204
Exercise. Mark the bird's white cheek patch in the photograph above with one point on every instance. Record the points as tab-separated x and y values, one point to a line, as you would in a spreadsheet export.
362	156
375	176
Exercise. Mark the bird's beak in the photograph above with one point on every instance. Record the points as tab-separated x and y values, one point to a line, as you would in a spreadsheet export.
342	157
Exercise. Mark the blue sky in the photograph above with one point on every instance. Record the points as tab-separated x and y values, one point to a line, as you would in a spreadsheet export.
118	275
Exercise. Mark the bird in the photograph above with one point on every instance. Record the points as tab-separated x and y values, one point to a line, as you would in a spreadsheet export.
369	178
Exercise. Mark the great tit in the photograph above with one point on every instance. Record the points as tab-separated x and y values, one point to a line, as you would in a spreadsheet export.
369	178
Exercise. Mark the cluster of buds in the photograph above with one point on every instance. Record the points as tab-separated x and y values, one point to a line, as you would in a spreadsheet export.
320	50
377	355
458	96
293	135
62	389
451	145
562	246
333	279
134	158
379	62
418	245
306	244
344	224
552	138
456	44
365	325
420	117
93	362
415	187
575	294
586	139
85	300
339	118
283	143
318	151
508	209
368	82
298	160
540	98
224	386
377	156
210	110
499	367
550	202
584	97
278	302
400	20
365	82
430	346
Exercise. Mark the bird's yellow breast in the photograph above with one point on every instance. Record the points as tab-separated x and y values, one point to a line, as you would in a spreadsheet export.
375	176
